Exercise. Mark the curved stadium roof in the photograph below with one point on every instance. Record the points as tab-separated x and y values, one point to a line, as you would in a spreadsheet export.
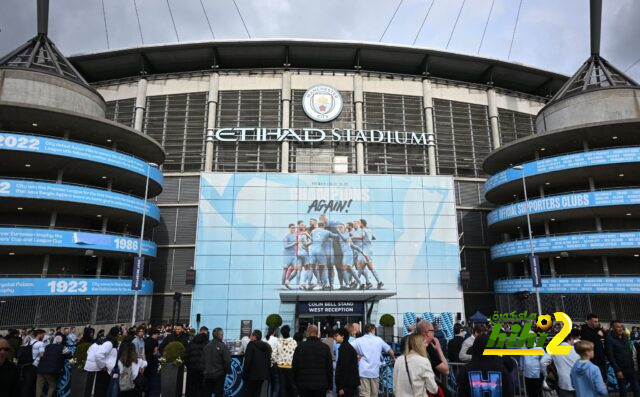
315	54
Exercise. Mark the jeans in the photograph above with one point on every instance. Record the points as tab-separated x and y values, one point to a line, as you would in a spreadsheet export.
273	381
533	386
194	383
630	377
28	375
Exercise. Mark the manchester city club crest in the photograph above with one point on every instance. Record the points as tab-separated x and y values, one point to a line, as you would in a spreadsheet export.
322	103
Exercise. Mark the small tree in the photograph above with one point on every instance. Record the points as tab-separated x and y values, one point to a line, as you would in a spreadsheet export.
387	320
274	320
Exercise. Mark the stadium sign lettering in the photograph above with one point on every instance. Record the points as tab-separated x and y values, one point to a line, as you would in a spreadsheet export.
319	135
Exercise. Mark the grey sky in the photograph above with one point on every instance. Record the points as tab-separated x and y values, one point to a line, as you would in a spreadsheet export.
551	34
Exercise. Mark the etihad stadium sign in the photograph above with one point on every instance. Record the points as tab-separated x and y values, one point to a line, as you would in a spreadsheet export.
320	135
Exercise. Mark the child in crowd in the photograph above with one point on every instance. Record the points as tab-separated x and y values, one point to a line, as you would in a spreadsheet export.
585	376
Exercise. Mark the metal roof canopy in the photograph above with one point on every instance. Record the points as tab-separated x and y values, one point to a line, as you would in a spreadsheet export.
315	54
335	296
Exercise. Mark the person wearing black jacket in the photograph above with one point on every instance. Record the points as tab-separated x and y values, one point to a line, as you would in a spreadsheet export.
178	335
8	371
347	375
455	345
50	366
621	359
312	366
195	364
592	332
257	361
484	373
217	364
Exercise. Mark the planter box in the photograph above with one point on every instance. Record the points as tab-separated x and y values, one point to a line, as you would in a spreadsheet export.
171	378
81	382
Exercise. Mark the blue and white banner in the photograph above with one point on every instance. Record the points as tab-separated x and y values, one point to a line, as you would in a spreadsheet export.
70	286
60	147
569	161
572	285
572	242
69	239
76	194
566	202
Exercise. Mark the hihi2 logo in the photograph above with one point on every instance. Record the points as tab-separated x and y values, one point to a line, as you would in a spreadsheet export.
521	335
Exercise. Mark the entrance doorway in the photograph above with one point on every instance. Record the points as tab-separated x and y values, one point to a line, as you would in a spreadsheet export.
328	323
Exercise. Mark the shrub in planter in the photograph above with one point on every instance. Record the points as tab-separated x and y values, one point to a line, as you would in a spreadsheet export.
387	320
81	380
274	321
172	369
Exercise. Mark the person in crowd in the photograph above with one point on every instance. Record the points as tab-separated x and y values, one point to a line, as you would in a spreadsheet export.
312	366
283	357
178	335
72	337
370	347
412	372
130	366
484	374
217	364
592	332
563	363
455	344
586	378
151	354
138	342
635	334
356	333
272	340
50	366
28	359
620	357
195	362
434	351
441	336
8	371
532	368
478	329
88	334
347	377
101	359
299	336
257	361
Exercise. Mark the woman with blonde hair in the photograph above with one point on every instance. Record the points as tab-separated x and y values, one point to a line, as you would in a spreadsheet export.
412	372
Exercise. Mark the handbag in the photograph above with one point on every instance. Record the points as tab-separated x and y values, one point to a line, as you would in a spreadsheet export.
439	393
141	383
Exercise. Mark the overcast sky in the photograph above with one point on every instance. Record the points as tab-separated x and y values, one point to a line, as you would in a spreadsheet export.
551	34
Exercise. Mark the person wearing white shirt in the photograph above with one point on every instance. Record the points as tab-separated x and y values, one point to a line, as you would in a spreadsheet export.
370	347
274	386
532	369
412	372
101	359
564	363
465	356
129	367
29	372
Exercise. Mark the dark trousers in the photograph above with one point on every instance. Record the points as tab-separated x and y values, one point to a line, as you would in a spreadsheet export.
313	393
533	386
214	386
194	383
102	384
350	392
252	388
273	381
287	385
28	376
631	378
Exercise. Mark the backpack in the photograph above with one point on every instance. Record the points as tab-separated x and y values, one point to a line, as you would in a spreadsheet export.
25	355
125	381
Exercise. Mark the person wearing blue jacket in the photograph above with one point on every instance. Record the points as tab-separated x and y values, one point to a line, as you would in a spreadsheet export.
585	376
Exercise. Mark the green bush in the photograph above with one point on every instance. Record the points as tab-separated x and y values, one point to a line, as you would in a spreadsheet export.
274	321
387	320
174	352
80	355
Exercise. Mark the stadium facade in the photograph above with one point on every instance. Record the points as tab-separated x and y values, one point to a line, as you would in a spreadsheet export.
73	189
576	180
244	160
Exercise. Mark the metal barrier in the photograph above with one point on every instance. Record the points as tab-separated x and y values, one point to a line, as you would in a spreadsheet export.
449	382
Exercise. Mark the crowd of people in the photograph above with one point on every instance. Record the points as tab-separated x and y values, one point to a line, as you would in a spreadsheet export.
343	362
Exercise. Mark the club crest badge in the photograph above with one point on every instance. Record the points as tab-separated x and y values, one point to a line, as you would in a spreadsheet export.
322	103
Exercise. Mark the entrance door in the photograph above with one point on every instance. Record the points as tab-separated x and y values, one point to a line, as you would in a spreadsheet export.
327	323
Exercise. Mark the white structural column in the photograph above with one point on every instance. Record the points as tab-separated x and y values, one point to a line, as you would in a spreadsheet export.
427	103
286	115
493	117
141	103
358	99
212	109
